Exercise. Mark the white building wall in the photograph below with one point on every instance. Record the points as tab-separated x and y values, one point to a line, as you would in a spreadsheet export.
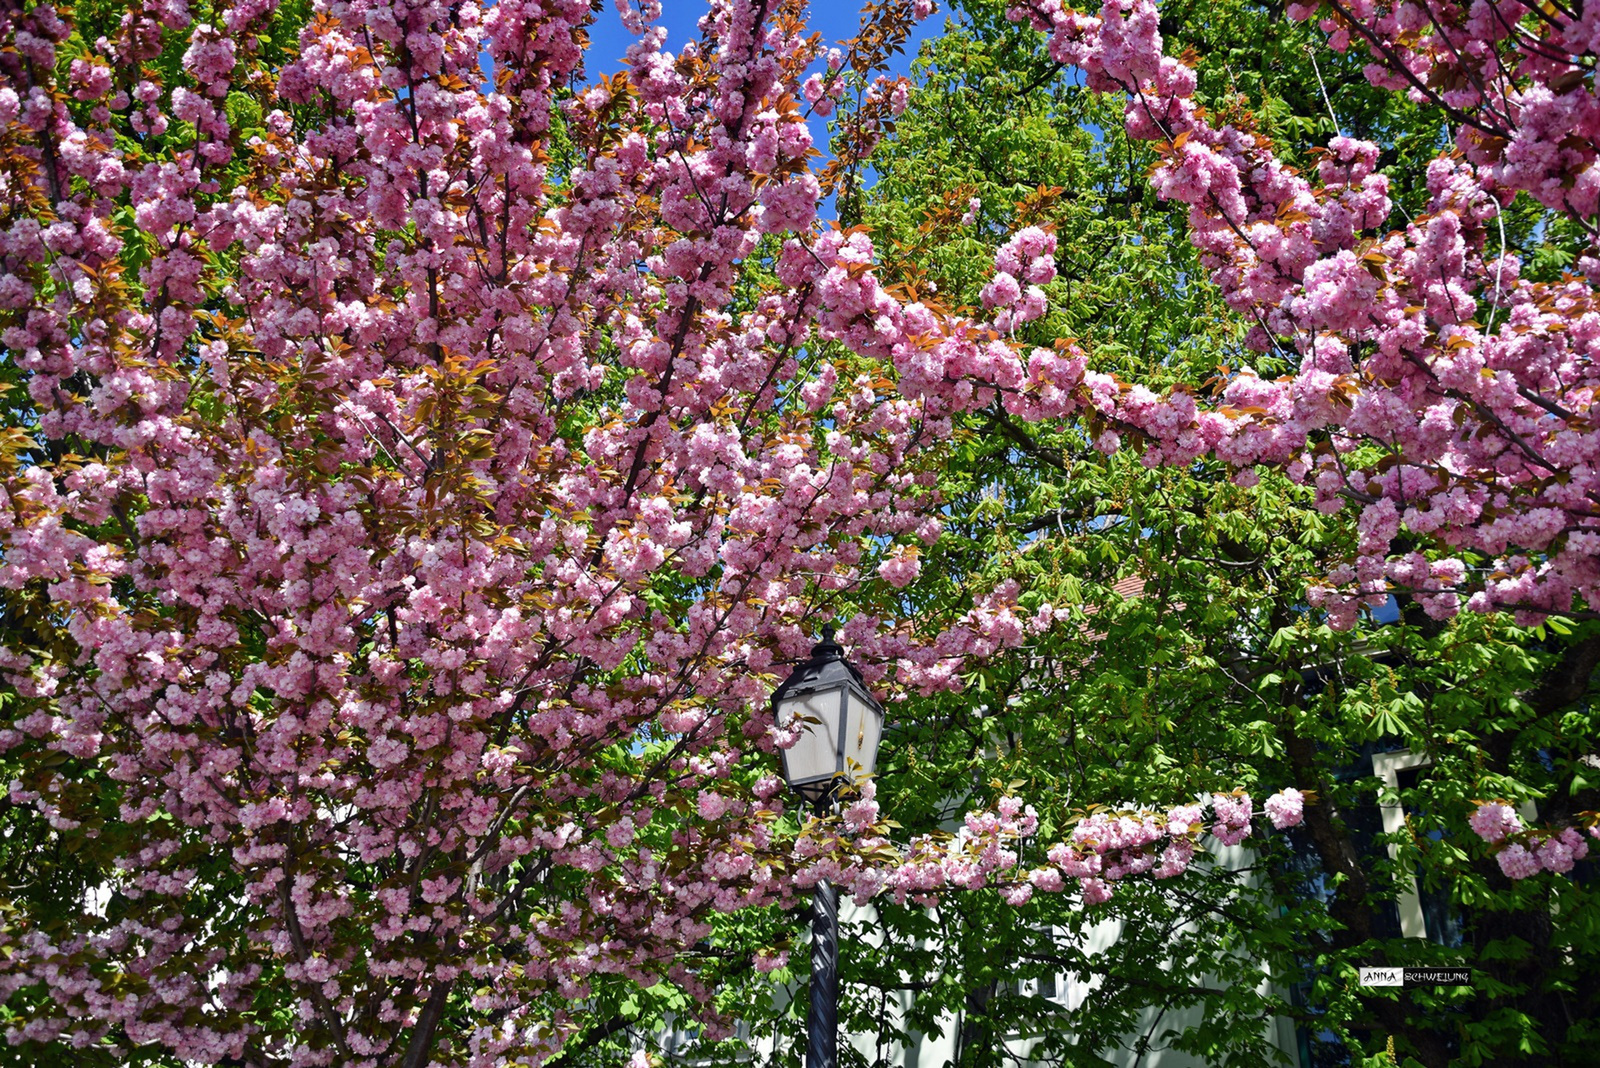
1073	992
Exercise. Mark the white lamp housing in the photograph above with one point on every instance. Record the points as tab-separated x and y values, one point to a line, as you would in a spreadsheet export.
843	722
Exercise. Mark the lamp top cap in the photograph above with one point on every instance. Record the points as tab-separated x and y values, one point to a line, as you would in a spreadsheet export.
827	648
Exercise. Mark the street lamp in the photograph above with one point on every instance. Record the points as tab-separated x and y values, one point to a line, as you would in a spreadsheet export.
843	725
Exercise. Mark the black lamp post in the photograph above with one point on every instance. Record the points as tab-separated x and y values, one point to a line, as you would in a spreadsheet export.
843	725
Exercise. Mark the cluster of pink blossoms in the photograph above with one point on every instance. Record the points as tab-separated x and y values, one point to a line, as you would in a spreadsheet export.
1028	259
1521	853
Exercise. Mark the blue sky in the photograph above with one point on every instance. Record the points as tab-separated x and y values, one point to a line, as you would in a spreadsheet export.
834	20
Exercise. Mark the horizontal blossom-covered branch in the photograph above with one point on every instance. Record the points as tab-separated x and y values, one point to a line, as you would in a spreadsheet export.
1103	848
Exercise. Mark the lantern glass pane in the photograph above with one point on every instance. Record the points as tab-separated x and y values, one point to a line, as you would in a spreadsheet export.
816	754
861	743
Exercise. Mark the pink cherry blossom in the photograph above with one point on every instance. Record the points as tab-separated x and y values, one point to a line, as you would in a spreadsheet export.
1516	862
1494	821
1286	808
